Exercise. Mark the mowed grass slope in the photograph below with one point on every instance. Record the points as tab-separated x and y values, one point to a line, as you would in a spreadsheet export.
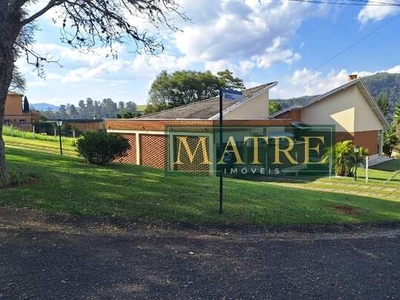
68	185
50	146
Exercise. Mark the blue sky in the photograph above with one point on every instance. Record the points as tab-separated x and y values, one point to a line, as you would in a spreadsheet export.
260	41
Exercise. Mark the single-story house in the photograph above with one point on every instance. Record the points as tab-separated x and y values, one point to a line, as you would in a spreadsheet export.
15	115
350	108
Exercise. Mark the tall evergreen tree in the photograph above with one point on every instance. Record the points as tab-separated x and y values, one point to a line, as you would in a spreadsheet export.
26	105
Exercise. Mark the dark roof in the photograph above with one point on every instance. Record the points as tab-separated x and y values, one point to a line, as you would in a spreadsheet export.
77	120
204	109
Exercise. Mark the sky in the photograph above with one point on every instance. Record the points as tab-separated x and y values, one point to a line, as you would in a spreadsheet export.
308	48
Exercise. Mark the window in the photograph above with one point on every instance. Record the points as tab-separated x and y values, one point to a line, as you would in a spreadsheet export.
7	122
22	121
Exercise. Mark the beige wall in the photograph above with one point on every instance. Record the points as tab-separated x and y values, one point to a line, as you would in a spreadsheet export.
348	110
13	105
15	116
256	108
365	118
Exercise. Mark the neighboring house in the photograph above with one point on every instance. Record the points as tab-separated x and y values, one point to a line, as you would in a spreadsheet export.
14	114
350	108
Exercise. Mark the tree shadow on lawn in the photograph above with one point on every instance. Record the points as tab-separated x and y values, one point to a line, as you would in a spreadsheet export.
69	186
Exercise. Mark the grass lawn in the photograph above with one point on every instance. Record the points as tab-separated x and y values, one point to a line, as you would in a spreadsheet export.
51	146
141	108
68	185
391	165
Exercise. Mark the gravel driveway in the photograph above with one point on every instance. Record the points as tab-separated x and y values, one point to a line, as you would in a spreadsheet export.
54	257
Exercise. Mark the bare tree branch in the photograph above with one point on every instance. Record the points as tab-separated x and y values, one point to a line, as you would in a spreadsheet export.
50	5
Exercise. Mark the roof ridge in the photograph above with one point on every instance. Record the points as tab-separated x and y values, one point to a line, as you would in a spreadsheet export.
176	107
259	87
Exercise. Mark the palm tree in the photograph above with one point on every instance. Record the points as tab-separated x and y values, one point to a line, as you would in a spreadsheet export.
344	159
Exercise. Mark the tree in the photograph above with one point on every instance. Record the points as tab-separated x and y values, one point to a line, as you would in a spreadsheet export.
396	115
344	159
390	140
130	106
72	112
274	107
26	105
229	81
84	24
18	81
184	87
396	120
383	103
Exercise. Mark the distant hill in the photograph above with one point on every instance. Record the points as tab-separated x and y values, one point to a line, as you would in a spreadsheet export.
285	103
141	108
385	82
44	106
376	84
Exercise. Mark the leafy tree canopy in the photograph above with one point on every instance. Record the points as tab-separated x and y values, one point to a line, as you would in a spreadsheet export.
184	87
274	107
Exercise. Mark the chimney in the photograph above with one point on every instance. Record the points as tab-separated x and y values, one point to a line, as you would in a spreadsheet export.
353	77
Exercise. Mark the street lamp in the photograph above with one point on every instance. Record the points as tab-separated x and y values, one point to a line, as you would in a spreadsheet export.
356	151
59	124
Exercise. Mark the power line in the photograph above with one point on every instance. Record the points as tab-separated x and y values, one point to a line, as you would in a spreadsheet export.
355	43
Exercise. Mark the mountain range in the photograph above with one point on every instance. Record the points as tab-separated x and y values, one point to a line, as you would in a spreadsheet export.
44	106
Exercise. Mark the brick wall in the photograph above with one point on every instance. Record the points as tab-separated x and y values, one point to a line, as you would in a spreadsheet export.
343	136
153	150
153	147
131	154
366	139
294	115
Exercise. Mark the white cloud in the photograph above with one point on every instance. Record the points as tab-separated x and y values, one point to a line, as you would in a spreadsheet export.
395	69
247	30
275	53
123	70
376	13
306	82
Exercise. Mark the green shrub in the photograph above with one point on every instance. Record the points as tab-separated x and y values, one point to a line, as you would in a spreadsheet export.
100	148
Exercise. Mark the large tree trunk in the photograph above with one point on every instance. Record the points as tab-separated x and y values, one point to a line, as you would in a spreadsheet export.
6	70
9	29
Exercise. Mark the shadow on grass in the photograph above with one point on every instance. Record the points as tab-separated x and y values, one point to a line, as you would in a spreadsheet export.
68	185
